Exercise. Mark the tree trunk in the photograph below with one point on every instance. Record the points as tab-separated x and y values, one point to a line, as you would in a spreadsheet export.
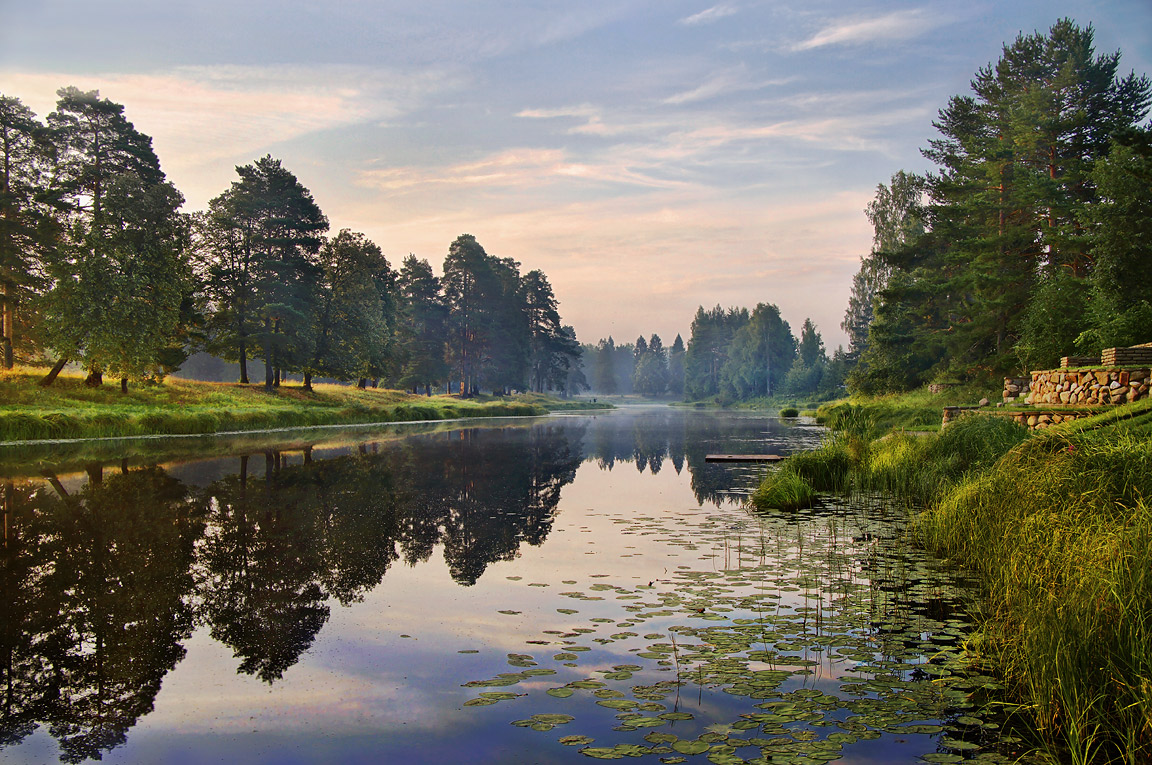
278	376
9	328
308	381
362	383
243	364
95	378
269	372
123	384
50	378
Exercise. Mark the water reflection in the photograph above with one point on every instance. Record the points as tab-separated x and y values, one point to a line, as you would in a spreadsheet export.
98	596
106	572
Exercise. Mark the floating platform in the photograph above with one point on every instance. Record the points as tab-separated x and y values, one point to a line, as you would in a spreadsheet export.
743	458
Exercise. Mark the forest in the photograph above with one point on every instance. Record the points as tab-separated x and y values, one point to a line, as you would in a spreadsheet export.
1032	238
99	267
1030	241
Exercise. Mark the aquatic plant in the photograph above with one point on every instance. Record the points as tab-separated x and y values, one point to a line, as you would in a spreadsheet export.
1060	533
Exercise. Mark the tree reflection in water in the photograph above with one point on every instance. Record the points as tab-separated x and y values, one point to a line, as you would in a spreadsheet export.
103	582
101	585
98	584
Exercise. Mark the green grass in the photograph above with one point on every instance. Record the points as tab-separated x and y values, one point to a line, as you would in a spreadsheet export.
1059	533
1057	529
788	491
69	409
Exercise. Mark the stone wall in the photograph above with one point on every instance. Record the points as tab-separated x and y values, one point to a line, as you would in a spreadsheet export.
1137	355
1015	387
1035	420
1092	387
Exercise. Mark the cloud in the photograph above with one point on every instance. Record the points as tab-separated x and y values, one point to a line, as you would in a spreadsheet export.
731	81
900	25
204	119
709	15
511	170
584	110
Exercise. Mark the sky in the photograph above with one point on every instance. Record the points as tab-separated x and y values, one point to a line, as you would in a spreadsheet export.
650	156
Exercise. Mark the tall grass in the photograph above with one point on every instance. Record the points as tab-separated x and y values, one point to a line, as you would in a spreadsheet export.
917	467
1060	533
1057	528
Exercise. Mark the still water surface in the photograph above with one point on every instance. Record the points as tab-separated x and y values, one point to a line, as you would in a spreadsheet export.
542	590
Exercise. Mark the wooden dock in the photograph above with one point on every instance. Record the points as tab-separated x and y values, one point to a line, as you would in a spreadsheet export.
743	458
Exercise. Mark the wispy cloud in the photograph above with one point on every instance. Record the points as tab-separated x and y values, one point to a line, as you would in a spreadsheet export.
512	169
900	25
204	119
711	14
731	81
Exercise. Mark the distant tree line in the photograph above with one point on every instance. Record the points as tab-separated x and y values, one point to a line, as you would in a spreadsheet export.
1033	237
98	266
731	355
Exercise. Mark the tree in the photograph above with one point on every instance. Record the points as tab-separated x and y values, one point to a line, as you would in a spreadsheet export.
27	221
551	350
708	345
467	276
650	375
811	348
1002	265
422	326
489	335
353	317
288	234
897	216
604	378
1016	159
760	354
676	367
119	281
136	294
1119	227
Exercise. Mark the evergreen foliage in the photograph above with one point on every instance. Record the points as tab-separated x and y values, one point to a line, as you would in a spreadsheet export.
1036	209
103	269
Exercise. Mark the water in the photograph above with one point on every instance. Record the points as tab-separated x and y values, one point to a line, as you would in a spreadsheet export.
541	590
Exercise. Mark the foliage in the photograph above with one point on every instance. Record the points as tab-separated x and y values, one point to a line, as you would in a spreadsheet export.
1060	534
1020	161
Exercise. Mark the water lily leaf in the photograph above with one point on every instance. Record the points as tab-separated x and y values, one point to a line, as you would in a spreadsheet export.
601	753
690	747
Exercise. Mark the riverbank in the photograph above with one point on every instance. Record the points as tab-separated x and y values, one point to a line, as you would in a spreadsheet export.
69	409
1057	528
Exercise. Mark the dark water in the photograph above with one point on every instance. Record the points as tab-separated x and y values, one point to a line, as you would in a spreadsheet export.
534	591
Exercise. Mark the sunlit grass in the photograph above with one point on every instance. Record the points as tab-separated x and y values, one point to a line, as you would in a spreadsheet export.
1057	528
69	409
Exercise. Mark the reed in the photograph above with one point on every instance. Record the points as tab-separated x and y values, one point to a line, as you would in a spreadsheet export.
1057	529
1059	532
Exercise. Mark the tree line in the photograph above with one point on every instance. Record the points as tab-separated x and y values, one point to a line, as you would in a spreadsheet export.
732	354
99	267
1030	241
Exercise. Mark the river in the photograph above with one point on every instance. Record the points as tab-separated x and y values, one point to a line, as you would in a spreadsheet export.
533	590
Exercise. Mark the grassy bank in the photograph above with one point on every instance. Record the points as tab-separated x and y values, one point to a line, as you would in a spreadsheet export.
68	409
1057	528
